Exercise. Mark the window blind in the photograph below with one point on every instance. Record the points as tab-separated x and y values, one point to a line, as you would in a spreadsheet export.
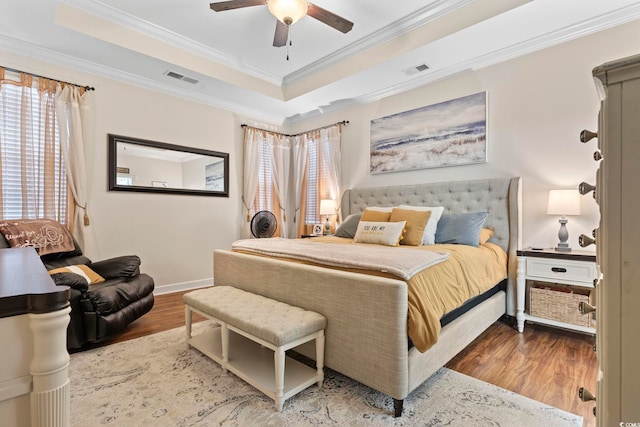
264	195
312	203
27	165
316	184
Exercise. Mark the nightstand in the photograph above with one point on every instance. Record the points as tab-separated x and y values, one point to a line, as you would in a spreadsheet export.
577	269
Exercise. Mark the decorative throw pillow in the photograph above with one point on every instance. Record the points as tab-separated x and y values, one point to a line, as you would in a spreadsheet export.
429	236
90	276
375	215
45	235
381	233
462	229
486	234
416	222
348	227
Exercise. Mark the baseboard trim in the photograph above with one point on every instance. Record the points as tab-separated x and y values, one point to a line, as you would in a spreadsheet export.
15	387
184	286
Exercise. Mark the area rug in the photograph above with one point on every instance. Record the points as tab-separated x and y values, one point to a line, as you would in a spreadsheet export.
158	380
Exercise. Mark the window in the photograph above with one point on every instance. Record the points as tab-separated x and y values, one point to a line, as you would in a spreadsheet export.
32	170
316	182
321	179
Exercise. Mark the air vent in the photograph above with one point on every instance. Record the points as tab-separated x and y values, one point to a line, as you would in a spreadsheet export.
414	70
182	77
189	80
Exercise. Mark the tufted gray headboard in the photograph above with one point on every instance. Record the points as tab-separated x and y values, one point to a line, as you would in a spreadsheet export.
499	196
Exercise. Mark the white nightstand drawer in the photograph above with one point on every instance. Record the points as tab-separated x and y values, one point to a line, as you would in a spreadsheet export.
561	270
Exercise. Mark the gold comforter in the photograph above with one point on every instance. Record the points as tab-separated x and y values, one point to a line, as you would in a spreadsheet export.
433	292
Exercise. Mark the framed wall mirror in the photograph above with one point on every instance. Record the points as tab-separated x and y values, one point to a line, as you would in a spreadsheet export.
149	166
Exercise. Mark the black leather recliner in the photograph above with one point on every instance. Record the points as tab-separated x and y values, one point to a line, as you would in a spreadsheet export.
101	309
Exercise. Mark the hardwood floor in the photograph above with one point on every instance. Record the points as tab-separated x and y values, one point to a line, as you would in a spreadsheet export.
545	364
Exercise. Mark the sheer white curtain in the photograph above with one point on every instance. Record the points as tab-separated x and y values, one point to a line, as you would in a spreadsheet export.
330	143
252	160
281	167
282	183
73	112
299	150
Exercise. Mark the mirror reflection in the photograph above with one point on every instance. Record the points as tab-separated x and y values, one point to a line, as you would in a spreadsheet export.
141	165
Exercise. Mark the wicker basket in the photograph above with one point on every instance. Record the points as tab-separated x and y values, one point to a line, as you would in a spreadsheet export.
558	302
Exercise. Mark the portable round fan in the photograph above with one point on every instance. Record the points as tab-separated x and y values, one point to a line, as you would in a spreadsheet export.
263	224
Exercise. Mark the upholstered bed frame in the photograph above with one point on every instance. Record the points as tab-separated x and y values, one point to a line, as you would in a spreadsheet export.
366	334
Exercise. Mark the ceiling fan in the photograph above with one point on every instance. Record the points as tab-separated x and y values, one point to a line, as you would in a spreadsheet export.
288	12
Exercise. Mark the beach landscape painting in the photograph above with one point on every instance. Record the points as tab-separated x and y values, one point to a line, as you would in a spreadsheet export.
449	133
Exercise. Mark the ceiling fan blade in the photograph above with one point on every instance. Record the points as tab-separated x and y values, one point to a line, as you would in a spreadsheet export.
329	18
235	4
281	35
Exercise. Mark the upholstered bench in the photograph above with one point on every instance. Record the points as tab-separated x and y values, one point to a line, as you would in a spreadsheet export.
257	322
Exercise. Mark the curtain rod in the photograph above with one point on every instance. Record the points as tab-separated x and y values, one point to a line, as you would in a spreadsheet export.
344	123
45	77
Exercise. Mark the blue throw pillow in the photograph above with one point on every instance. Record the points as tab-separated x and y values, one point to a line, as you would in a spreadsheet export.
461	229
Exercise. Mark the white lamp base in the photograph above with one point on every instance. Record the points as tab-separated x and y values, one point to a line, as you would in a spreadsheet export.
327	225
563	235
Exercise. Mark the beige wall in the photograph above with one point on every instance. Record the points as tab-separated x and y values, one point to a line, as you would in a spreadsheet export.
537	106
174	234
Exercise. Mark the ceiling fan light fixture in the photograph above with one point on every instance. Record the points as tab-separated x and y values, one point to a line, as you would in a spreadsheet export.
288	11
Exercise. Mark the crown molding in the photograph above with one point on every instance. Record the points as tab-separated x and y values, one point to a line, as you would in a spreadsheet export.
26	49
395	29
402	26
571	32
162	34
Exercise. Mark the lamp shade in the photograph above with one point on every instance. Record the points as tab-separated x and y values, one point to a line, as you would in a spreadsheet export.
564	202
327	207
288	11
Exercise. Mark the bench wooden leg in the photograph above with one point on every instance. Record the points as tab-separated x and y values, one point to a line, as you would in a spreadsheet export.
224	335
187	320
320	357
397	407
279	358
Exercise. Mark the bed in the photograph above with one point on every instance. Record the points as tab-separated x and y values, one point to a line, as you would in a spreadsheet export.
366	335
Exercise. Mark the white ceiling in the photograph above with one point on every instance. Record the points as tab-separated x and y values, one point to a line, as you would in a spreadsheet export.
231	55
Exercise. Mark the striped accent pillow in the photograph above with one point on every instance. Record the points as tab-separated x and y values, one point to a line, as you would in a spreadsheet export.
81	270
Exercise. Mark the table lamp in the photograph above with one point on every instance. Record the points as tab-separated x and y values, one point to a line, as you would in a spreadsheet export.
563	202
327	208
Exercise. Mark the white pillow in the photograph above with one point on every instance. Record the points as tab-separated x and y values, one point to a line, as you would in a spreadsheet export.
381	233
429	236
